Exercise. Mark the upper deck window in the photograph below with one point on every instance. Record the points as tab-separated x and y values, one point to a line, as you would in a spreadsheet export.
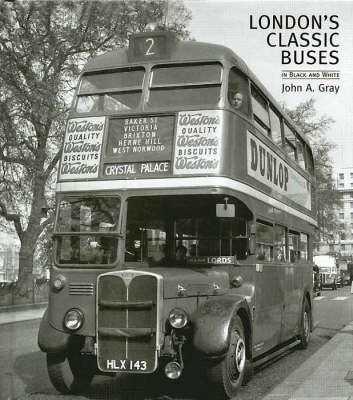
301	153
275	127
238	91
260	110
186	74
185	85
290	142
110	91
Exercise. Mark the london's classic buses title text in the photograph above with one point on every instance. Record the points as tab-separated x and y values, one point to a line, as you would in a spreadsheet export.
303	39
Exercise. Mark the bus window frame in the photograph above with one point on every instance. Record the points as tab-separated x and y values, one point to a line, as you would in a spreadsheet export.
188	84
280	225
288	142
117	233
271	244
281	133
294	233
205	84
245	113
101	92
303	163
256	120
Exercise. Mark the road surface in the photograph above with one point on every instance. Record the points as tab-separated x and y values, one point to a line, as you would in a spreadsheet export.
23	372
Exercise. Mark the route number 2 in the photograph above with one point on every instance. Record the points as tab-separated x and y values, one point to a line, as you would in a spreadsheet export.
150	43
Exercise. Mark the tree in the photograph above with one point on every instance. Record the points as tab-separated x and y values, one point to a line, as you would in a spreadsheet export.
327	197
43	45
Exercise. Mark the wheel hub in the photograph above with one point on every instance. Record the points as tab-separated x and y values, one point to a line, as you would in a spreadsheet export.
237	360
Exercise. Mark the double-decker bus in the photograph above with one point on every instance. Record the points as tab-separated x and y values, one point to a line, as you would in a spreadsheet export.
184	223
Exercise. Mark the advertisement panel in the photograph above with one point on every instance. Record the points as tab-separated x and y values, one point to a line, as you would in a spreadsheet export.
270	169
82	148
198	142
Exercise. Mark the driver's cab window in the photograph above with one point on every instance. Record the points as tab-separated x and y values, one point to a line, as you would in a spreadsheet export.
207	236
169	230
238	91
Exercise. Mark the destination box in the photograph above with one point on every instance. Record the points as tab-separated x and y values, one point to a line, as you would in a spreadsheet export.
136	139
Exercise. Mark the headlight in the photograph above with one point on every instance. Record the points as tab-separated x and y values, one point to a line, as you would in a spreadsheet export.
178	318
73	319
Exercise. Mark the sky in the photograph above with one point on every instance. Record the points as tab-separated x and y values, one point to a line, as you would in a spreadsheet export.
228	23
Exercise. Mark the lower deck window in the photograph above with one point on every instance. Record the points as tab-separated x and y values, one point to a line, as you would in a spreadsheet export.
304	247
93	249
264	241
280	253
293	247
86	230
172	229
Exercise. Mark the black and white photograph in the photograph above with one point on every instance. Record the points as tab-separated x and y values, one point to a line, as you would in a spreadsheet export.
176	200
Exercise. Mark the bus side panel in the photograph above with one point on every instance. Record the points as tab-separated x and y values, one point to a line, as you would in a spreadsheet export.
293	289
269	299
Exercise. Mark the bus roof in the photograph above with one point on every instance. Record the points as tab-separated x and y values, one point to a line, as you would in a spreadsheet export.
188	51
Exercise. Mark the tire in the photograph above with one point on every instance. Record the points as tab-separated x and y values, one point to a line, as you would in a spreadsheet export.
305	324
228	374
70	375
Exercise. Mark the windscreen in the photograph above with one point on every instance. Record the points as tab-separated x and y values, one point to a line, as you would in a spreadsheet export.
86	230
174	229
110	91
185	85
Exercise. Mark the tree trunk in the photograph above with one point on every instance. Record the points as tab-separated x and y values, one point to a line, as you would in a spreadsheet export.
25	284
28	242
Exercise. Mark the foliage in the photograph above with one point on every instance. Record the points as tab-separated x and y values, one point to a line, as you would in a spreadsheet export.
327	197
43	46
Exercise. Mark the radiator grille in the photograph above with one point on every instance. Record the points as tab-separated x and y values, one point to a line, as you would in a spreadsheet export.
127	322
81	289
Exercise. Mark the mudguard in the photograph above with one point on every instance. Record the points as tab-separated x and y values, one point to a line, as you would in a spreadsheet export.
51	340
211	322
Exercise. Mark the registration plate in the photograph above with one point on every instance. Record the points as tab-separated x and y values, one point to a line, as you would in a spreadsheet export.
126	365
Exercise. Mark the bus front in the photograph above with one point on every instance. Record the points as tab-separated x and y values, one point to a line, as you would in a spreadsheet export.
146	229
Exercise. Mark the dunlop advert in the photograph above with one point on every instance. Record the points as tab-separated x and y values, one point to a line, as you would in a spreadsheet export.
82	148
268	168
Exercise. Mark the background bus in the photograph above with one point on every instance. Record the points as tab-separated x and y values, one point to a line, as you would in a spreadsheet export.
328	270
185	220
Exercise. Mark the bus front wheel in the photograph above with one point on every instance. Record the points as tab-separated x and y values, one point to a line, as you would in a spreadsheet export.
69	374
227	375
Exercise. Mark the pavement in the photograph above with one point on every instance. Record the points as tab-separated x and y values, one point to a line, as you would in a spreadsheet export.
327	374
20	313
